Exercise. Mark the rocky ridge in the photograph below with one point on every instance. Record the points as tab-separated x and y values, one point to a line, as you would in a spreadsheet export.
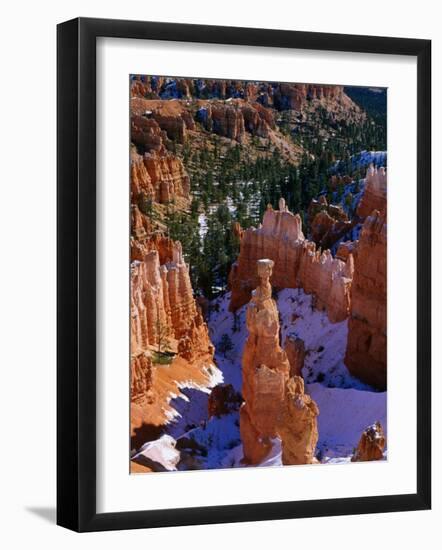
298	264
165	321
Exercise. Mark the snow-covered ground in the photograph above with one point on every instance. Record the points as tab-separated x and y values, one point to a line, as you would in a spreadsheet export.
325	342
190	405
346	405
159	454
343	416
362	160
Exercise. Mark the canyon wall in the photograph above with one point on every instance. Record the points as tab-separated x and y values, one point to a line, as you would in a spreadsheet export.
375	193
279	95
366	355
298	264
170	345
235	118
162	299
157	175
164	319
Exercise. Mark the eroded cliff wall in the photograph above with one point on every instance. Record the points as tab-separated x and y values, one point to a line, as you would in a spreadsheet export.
297	264
164	318
366	356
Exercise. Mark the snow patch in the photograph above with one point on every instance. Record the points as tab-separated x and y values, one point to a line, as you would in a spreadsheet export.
343	415
162	451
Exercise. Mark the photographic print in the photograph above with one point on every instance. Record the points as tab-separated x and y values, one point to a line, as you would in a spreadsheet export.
258	274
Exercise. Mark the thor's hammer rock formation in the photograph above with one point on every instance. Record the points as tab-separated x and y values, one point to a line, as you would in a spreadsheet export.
265	371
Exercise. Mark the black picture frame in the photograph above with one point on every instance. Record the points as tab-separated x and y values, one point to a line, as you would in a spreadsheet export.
76	274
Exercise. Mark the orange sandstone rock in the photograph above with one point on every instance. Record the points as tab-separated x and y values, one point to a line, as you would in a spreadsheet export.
164	315
375	193
159	177
297	425
295	350
141	378
297	264
265	370
366	355
345	249
162	296
371	445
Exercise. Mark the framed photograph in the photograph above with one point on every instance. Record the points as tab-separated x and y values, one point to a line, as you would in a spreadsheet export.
243	274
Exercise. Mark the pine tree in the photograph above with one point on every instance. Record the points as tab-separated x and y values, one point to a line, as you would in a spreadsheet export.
225	344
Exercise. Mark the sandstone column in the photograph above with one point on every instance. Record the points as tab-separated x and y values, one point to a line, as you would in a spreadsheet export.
265	371
297	425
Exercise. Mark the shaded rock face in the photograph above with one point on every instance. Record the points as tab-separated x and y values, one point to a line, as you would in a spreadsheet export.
295	350
147	134
297	264
226	121
371	445
293	96
328	223
265	371
223	399
366	355
297	425
234	119
375	193
345	249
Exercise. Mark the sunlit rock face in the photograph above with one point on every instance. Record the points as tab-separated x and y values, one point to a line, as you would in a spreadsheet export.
157	174
158	177
265	370
297	425
366	355
162	298
141	378
297	264
375	193
164	315
371	445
